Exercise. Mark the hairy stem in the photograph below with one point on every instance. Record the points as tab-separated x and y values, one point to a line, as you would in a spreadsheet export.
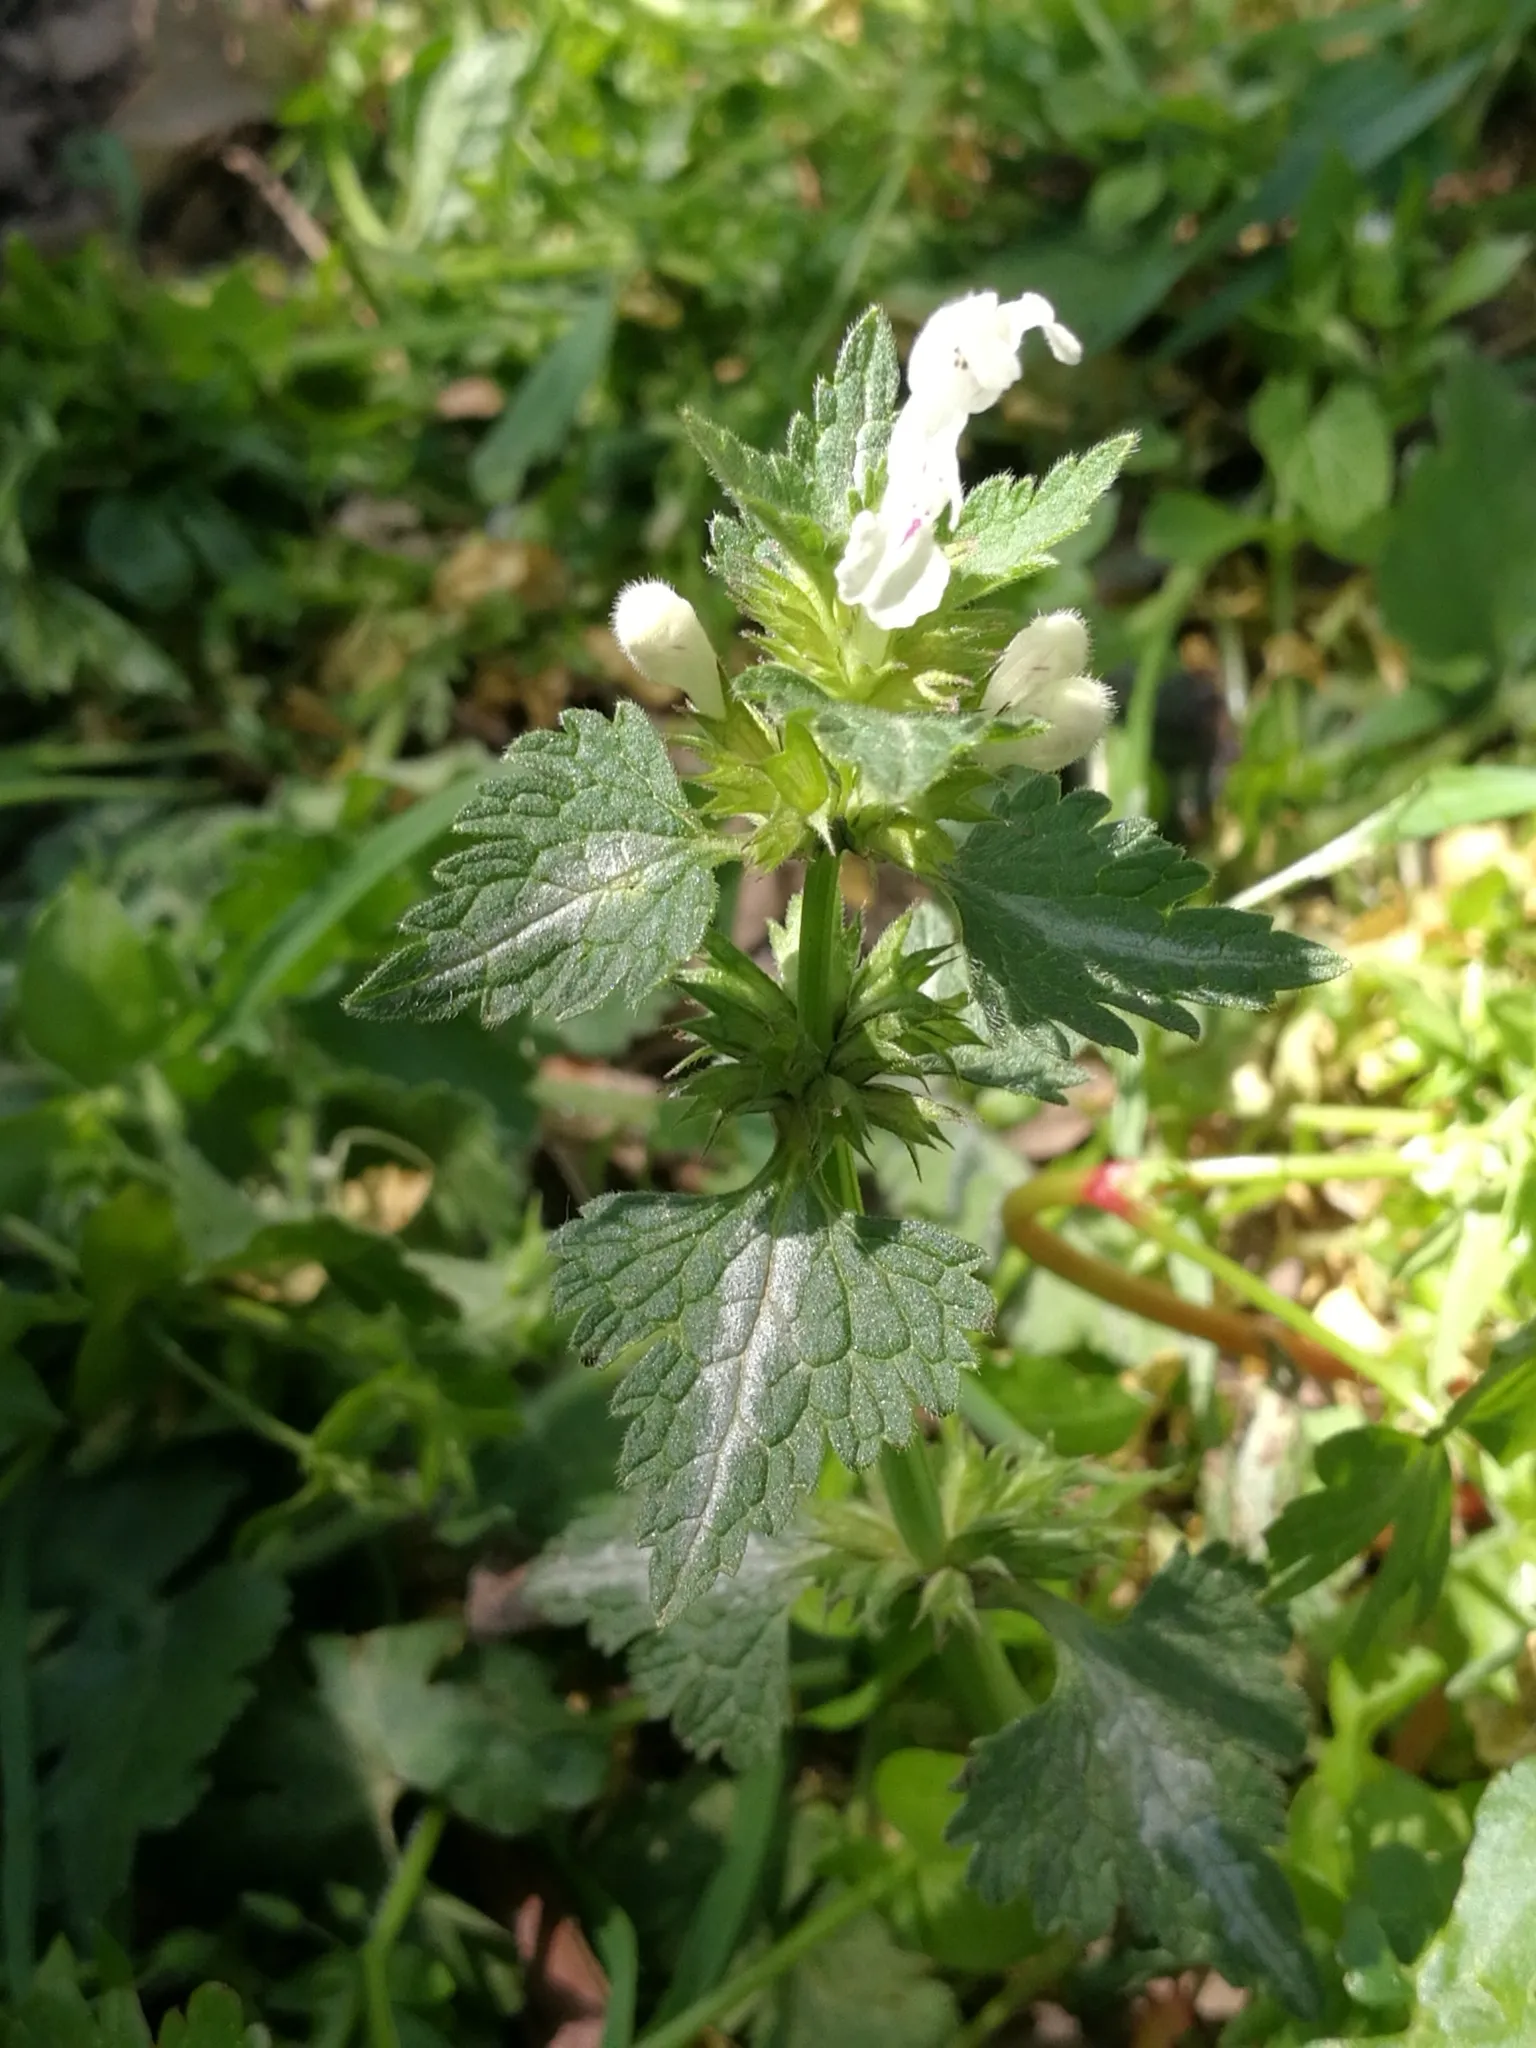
907	1477
821	922
806	1935
1279	1324
394	1909
980	1680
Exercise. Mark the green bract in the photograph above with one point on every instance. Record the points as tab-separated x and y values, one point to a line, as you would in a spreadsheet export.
755	1328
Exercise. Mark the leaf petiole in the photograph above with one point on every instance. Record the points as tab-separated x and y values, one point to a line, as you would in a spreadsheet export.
807	1935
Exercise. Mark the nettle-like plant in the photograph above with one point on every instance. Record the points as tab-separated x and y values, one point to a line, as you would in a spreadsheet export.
891	716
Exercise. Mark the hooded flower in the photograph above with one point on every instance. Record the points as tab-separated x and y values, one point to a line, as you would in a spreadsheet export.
1041	675
963	360
660	632
967	355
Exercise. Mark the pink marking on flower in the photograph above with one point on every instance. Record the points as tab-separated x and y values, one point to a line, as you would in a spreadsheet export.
914	528
1111	1187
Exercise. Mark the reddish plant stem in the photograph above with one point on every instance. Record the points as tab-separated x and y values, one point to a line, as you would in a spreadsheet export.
1241	1333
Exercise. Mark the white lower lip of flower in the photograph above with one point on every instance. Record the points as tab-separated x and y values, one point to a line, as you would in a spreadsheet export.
895	575
662	635
1079	710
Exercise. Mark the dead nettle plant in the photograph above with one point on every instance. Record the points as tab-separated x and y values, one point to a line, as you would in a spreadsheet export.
893	714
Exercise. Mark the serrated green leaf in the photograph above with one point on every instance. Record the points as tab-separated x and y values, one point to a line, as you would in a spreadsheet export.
773	490
132	1707
898	755
56	2014
213	2020
494	1741
1362	1472
592	878
1371	1477
1008	525
1458	573
759	1324
94	994
1031	1059
853	416
1068	917
1151	1781
1477	1980
862	1990
1499	1408
720	1672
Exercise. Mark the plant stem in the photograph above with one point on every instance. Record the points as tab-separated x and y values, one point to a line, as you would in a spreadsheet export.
806	1935
982	1683
256	1419
907	1477
18	1784
1248	1286
1023	1985
821	921
394	1909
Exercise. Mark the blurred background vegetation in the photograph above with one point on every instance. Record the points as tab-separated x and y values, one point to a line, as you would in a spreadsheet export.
341	353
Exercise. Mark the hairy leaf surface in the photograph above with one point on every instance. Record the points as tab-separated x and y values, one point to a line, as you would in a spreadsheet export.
1150	1782
1069	917
721	1670
1009	525
897	754
759	1324
591	878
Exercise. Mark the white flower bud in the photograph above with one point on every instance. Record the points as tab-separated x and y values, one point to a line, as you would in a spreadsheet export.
662	635
1079	710
1049	650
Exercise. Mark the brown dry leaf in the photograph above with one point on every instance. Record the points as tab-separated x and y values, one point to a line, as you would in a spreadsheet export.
645	303
565	1976
305	711
1467	854
500	685
1343	1314
390	526
372	652
1164	2014
1293	654
470	398
295	1288
385	1197
481	567
495	1603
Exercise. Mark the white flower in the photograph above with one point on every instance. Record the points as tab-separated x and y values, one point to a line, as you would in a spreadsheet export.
1053	647
963	360
967	355
660	632
896	575
1040	676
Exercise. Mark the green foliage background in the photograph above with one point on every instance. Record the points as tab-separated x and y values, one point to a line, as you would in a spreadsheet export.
288	551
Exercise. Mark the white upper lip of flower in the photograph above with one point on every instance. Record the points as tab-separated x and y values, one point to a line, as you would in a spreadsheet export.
963	360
